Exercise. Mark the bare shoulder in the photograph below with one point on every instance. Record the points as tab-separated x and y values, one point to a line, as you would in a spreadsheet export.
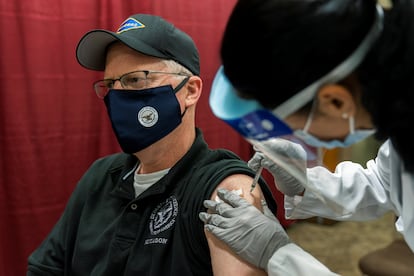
225	261
241	184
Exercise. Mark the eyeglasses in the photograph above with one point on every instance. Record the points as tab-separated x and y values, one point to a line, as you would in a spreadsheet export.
133	80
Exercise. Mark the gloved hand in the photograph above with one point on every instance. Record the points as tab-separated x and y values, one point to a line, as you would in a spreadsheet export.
253	235
290	171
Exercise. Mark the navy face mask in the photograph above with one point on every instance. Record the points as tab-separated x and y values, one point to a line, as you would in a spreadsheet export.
142	117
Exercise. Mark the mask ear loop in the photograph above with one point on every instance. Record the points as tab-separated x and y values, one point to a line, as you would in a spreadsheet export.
181	84
351	124
178	88
351	121
310	117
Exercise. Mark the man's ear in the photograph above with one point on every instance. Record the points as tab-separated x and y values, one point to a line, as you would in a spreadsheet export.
336	100
194	88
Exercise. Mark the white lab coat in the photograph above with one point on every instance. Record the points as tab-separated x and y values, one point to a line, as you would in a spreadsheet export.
351	193
294	261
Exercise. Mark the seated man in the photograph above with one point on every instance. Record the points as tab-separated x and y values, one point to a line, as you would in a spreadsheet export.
136	213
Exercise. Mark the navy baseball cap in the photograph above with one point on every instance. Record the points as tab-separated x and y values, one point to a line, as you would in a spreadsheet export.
148	34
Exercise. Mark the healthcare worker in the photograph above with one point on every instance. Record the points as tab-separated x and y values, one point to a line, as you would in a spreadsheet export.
328	72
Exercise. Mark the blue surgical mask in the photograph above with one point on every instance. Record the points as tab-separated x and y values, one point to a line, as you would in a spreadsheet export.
353	137
142	117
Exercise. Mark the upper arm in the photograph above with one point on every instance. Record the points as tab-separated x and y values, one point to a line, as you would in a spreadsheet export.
224	261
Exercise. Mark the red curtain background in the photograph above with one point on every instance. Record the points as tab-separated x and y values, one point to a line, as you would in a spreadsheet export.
52	126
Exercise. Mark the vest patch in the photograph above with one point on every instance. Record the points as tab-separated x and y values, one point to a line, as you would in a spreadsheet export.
163	216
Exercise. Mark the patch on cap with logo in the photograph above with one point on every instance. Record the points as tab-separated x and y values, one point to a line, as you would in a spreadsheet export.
130	24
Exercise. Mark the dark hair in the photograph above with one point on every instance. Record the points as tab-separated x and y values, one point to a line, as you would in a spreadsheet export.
272	49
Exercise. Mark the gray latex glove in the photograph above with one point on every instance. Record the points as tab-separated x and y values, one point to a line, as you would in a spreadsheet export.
288	179
253	235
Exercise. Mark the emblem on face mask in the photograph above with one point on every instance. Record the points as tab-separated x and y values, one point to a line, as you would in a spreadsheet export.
142	117
148	116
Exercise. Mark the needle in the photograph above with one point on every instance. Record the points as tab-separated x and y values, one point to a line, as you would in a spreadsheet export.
256	179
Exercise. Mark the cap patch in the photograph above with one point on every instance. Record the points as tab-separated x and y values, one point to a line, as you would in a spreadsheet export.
130	24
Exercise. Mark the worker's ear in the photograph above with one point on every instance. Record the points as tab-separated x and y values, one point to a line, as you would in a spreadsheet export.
194	88
336	101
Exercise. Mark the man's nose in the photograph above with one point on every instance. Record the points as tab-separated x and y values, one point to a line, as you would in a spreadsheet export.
117	84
